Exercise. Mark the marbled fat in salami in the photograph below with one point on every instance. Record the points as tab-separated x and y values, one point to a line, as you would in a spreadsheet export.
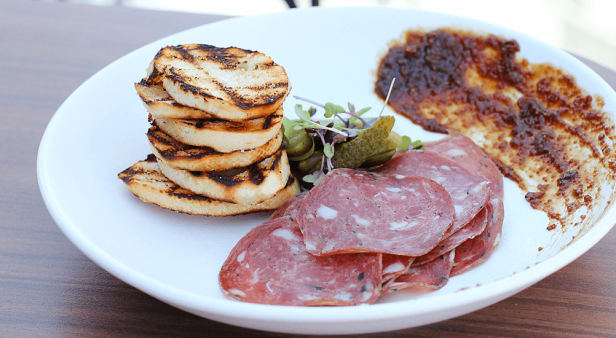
271	266
466	153
469	192
431	276
395	265
475	227
356	211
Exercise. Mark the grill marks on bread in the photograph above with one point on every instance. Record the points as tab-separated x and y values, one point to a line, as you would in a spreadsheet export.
223	135
161	105
216	115
179	155
148	183
246	185
231	83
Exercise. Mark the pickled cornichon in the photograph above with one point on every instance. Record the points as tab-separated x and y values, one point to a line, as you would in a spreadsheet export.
385	151
353	153
299	144
345	140
311	163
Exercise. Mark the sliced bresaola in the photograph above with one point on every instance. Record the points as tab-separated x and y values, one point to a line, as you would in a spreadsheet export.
475	227
469	192
270	265
358	211
431	276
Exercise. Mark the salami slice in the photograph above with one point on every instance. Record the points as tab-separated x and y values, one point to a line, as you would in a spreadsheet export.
357	211
475	227
290	207
271	266
477	250
469	155
431	276
466	153
469	192
395	265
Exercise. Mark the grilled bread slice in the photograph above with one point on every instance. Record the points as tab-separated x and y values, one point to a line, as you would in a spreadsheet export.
160	105
232	83
148	183
252	184
179	155
221	135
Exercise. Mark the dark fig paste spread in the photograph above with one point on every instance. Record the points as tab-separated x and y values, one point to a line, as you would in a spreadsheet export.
543	131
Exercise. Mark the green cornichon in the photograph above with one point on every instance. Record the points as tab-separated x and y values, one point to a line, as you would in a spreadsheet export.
300	145
353	153
308	165
385	151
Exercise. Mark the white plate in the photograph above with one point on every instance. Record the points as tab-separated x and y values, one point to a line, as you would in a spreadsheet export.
330	55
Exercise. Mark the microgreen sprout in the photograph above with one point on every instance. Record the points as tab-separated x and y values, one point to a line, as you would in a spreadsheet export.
340	126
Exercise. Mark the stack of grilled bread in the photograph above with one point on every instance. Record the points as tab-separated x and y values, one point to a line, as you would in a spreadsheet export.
216	115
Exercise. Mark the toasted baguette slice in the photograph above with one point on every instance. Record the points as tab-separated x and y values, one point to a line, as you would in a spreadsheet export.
148	183
179	155
160	105
231	83
252	184
221	135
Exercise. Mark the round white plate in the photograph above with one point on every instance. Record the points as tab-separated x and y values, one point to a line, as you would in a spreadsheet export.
331	56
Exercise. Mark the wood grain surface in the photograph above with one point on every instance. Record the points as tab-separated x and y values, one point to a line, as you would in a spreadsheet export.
48	288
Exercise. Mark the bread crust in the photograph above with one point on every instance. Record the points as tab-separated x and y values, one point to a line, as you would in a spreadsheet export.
251	184
179	155
161	105
148	183
221	135
231	83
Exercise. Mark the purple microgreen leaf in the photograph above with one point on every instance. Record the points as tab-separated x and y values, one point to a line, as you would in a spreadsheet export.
351	108
312	111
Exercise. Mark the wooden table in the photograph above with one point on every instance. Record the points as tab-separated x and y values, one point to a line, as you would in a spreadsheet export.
49	288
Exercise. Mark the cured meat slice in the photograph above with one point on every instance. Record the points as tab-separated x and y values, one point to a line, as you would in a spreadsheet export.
477	250
395	265
475	227
466	153
469	155
271	266
431	276
357	211
290	207
469	192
